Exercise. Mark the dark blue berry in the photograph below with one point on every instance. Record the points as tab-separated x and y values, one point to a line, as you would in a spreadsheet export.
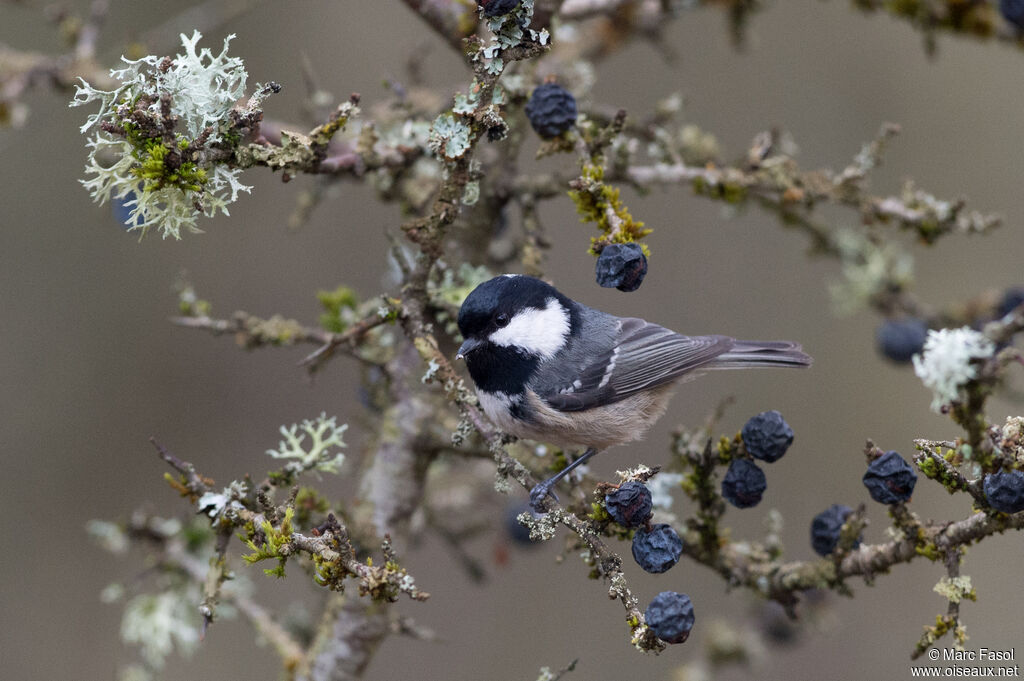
901	339
1013	297
744	484
670	616
1013	11
123	212
515	530
551	109
630	504
496	8
776	624
767	436
890	479
621	266
826	526
1005	491
657	549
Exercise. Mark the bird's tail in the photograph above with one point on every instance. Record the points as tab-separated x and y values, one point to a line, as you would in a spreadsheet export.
744	354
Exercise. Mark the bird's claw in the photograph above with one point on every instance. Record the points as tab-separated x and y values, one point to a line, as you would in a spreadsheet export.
539	495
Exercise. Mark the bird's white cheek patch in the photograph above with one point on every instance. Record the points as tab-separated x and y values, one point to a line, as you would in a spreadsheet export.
536	331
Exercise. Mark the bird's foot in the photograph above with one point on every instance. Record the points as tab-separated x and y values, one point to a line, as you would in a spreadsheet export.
539	494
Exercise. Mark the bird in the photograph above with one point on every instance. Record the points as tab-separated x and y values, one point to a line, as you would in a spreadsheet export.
550	369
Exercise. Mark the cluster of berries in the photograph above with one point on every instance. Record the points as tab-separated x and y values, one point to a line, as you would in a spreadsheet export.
889	479
766	437
900	339
656	548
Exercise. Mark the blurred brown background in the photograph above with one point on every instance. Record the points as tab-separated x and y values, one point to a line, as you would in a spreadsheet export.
90	367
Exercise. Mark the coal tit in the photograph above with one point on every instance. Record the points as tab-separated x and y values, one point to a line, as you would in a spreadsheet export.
547	368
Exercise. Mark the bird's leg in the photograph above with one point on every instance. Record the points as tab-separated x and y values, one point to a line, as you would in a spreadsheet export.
541	490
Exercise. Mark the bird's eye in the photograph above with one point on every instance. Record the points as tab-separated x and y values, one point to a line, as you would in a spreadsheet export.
501	320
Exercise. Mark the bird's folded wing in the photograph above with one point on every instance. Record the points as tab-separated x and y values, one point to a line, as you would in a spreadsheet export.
644	356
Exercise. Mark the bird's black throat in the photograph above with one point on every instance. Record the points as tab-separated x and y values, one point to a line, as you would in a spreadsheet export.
495	368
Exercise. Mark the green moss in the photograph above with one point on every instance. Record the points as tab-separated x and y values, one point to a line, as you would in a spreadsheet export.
728	448
602	204
274	540
598	513
157	167
733	193
339	308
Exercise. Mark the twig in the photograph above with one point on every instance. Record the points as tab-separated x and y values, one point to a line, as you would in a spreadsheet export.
446	17
287	647
583	9
252	332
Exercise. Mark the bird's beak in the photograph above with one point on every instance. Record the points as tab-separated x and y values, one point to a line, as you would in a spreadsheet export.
468	346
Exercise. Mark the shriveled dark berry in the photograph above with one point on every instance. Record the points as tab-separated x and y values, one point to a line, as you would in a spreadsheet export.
775	624
670	616
496	8
744	484
826	526
1013	297
1005	491
657	549
767	436
630	504
497	133
1013	12
551	109
890	479
516	531
901	339
621	266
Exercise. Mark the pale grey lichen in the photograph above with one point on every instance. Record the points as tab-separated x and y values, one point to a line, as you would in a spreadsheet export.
109	535
507	32
200	88
449	136
112	593
869	269
471	193
662	487
161	622
203	87
135	672
955	589
225	503
542	527
947	362
1012	441
431	373
324	433
464	104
